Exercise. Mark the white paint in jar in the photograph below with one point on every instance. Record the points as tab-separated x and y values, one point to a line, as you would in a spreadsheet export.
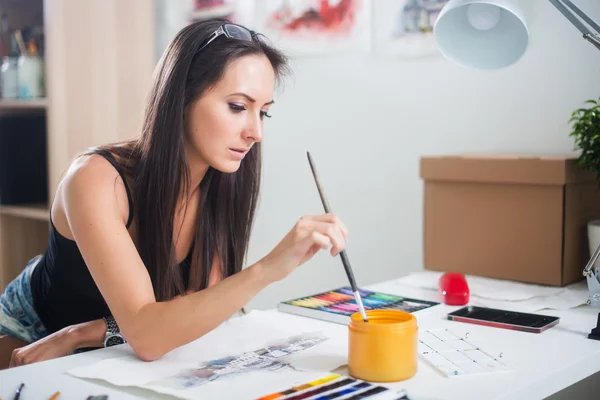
8	78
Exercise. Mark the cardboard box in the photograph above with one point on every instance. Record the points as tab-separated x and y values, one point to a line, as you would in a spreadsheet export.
521	218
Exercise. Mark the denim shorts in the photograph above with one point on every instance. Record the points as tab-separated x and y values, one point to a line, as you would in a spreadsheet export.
17	314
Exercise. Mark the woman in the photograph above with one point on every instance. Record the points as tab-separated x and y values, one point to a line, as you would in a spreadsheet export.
148	235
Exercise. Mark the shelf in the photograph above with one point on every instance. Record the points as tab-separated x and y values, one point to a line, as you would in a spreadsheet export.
31	211
34	104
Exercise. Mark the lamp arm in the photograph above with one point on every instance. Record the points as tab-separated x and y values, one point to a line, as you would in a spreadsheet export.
593	39
590	265
568	9
583	15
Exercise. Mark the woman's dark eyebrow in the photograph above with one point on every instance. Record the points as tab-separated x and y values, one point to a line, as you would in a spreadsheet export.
250	99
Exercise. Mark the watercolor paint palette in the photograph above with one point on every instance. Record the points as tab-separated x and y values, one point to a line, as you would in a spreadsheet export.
337	387
339	304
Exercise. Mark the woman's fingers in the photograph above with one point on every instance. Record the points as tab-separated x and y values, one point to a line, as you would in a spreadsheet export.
321	240
323	233
309	235
329	217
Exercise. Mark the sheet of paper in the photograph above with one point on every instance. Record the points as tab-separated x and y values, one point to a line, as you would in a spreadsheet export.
488	288
573	296
230	359
507	295
250	385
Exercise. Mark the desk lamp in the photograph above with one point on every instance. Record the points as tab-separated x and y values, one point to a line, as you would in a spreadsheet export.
492	34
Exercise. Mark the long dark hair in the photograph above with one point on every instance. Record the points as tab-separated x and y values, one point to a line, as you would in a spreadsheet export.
156	164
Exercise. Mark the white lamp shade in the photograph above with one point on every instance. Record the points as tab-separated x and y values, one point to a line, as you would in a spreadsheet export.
482	34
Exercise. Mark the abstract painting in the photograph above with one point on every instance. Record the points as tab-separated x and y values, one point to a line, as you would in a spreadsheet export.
237	11
404	28
316	27
207	9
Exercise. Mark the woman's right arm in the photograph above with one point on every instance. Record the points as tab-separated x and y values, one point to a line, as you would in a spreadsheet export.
154	328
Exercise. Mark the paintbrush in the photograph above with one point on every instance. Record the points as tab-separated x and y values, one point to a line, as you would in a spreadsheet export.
343	254
20	42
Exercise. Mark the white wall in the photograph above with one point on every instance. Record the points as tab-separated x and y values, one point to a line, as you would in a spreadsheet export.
367	141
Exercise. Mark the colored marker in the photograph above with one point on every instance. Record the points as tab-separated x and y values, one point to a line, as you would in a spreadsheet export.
18	393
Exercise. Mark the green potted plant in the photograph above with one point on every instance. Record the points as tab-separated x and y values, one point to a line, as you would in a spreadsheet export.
586	133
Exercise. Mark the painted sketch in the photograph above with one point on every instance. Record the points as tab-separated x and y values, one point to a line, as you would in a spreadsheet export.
316	27
237	11
173	15
405	27
266	358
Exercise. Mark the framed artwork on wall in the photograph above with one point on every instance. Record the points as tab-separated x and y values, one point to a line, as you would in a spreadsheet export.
173	15
207	9
404	28
237	11
316	27
299	27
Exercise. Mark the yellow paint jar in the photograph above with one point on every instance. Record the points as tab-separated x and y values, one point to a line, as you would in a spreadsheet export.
384	349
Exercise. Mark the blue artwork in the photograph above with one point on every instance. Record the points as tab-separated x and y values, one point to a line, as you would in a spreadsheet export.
404	27
417	16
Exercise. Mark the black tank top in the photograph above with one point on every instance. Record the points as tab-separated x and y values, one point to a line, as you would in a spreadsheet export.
64	292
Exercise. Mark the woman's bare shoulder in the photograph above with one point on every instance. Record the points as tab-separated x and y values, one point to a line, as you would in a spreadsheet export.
91	169
90	179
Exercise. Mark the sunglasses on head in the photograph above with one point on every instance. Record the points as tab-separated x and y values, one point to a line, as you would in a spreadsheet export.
232	31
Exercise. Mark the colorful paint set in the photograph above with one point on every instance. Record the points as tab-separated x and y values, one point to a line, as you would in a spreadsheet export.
337	387
337	305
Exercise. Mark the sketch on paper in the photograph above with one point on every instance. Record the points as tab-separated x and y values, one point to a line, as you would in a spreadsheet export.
405	27
309	27
266	358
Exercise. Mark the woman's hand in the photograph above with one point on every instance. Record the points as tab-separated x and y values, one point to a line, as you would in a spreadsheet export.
309	235
52	346
61	343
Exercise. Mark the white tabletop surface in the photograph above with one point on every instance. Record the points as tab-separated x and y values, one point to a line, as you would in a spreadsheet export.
542	364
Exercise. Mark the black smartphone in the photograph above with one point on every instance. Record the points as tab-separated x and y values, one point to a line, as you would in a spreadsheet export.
519	321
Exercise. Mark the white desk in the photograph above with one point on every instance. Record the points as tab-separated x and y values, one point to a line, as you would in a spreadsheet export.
543	363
